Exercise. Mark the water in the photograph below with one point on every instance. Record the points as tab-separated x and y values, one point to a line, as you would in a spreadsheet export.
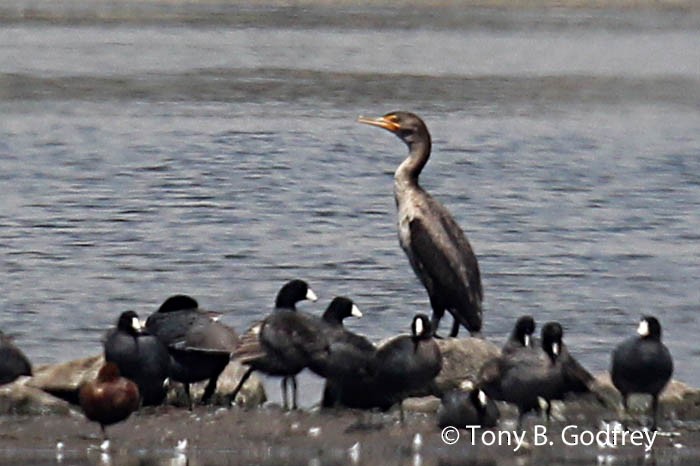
212	150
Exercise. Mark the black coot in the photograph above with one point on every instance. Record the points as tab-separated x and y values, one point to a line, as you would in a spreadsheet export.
350	355
575	378
199	345
13	362
523	377
404	365
521	336
527	376
474	408
140	357
520	339
285	342
642	364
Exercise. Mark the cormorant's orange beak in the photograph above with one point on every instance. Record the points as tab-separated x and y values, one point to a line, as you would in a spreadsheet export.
383	122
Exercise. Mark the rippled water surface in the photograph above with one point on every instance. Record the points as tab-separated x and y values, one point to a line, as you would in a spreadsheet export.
216	153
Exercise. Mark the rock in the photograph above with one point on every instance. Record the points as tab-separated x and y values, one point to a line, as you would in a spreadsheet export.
252	394
462	359
19	398
678	398
63	380
425	404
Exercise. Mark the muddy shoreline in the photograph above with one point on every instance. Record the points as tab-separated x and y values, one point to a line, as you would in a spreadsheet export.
267	435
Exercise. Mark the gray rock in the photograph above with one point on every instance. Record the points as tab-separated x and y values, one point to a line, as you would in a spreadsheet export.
678	399
19	398
462	359
425	404
252	394
64	379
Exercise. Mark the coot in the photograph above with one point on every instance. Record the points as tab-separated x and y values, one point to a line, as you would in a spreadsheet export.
140	357
473	408
199	345
285	342
350	355
642	364
13	362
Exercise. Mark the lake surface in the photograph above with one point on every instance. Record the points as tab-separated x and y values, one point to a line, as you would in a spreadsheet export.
212	150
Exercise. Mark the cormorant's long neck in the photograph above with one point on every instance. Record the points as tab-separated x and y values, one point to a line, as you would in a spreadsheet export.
406	175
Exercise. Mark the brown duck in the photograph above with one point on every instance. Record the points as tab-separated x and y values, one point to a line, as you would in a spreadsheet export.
109	398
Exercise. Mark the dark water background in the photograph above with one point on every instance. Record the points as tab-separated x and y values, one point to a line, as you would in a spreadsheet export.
212	150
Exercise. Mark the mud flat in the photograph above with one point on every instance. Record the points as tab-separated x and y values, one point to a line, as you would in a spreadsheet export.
222	436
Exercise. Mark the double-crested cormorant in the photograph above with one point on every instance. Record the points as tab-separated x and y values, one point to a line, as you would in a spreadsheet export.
285	342
109	398
13	362
460	409
642	364
199	345
436	246
140	357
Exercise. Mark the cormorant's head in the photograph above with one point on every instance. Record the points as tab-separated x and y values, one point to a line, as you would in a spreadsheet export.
293	292
340	308
524	328
129	322
649	327
552	334
407	126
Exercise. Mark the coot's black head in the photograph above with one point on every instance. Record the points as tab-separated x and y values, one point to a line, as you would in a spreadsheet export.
523	330
479	399
406	125
552	334
649	328
178	302
129	322
421	328
340	308
293	292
